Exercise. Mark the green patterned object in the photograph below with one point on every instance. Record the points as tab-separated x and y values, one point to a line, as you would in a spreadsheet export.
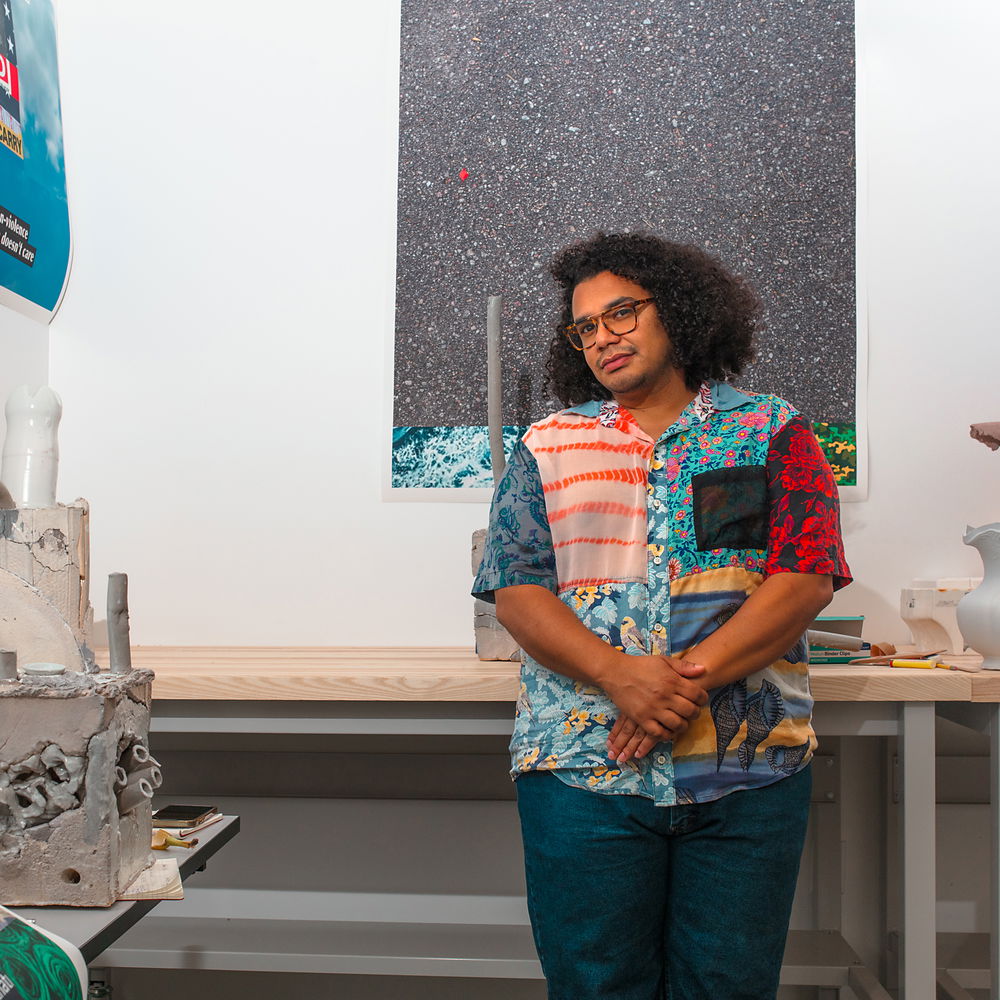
840	444
32	967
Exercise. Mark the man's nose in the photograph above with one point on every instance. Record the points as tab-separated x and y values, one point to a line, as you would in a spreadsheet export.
604	335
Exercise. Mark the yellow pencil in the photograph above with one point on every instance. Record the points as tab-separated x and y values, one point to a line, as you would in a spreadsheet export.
932	662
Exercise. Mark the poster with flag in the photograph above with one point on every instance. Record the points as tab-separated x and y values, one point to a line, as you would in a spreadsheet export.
10	92
8	75
35	244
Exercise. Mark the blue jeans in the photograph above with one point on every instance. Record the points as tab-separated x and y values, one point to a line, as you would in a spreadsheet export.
632	901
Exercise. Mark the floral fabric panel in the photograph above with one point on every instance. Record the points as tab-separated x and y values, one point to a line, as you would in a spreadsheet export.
563	725
805	507
519	543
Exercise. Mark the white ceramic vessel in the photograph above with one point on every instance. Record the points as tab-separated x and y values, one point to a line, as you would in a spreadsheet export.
979	611
31	448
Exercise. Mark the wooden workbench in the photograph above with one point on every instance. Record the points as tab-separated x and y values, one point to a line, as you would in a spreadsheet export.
302	673
243	694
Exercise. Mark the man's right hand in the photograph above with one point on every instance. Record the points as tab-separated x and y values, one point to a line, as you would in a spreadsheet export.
655	692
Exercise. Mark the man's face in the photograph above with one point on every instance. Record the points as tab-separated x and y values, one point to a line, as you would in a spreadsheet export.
631	364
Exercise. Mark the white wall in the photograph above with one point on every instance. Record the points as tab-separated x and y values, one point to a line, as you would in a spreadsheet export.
232	170
24	356
929	80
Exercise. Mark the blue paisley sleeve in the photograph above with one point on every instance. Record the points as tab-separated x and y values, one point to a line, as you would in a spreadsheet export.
519	543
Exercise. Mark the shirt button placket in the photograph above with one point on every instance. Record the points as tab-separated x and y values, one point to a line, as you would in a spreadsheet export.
653	531
661	764
664	792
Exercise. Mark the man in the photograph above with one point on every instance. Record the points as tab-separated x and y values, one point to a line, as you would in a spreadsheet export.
658	549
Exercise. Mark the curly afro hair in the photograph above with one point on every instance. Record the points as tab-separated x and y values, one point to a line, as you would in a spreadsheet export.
710	314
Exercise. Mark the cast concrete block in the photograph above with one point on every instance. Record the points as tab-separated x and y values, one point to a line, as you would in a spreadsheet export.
63	838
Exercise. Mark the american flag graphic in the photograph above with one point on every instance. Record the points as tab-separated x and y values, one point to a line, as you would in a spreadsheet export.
10	90
8	77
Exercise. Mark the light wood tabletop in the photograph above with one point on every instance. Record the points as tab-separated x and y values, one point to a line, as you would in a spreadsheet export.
986	686
390	673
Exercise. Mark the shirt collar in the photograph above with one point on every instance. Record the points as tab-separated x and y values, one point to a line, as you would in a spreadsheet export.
725	397
711	396
591	408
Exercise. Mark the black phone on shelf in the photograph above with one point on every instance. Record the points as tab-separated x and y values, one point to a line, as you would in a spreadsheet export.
182	815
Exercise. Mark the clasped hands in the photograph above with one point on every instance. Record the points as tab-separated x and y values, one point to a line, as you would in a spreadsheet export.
658	699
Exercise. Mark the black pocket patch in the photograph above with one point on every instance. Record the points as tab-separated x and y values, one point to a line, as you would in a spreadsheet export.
730	508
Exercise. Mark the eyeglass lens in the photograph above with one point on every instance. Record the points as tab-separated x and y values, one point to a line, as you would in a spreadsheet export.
619	320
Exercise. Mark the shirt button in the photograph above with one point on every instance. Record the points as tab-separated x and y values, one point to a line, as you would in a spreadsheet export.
657	560
660	759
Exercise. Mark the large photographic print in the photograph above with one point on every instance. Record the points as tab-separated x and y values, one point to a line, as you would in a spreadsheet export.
526	126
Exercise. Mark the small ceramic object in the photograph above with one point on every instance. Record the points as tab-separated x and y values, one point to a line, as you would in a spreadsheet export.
31	448
979	611
8	665
43	669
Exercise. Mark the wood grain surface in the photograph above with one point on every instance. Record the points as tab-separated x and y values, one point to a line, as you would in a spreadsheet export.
986	686
388	673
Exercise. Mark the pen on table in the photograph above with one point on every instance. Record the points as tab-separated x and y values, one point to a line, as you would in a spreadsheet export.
932	661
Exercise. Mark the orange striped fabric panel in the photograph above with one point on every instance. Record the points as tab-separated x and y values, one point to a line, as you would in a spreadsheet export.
594	480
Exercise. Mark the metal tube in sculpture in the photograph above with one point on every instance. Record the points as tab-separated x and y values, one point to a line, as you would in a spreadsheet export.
119	652
494	392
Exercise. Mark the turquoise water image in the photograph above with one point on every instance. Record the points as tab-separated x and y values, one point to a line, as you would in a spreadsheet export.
459	457
445	457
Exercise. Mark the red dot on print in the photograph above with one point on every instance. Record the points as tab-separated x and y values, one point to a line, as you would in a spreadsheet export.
463	174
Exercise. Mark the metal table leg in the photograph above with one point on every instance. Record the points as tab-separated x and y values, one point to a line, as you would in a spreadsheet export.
918	937
994	716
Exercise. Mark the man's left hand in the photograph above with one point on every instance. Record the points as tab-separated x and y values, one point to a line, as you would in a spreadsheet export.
628	739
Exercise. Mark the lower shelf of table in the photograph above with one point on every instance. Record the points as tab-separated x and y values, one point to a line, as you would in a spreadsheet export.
396	936
966	957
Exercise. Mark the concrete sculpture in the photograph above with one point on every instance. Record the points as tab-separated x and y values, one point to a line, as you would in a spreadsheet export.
76	775
76	780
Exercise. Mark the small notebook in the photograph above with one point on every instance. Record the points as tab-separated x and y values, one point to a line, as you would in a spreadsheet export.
162	881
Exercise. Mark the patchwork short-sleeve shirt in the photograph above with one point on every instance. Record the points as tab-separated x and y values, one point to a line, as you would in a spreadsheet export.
654	545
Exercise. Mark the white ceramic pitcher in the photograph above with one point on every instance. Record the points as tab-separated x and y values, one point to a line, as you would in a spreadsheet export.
978	612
